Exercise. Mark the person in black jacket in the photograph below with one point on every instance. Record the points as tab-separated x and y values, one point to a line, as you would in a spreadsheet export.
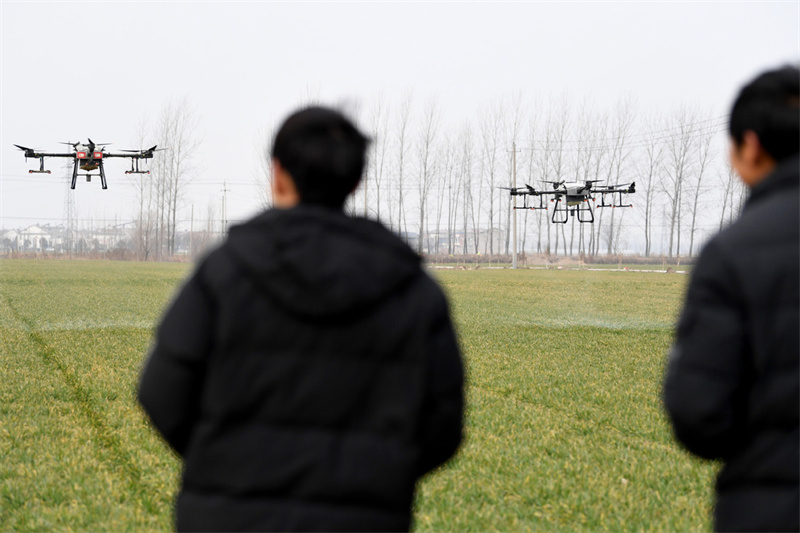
731	387
307	372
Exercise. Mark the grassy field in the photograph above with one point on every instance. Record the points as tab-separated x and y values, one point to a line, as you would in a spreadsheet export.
564	425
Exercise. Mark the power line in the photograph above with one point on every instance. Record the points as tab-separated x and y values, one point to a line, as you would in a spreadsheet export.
639	143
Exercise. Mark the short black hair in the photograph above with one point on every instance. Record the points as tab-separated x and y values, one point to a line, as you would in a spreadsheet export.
770	107
323	152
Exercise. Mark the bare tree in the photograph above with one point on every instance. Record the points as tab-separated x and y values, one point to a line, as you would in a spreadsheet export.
379	129
403	119
450	191
678	166
426	158
471	221
624	115
161	169
491	121
703	158
650	168
144	229
515	122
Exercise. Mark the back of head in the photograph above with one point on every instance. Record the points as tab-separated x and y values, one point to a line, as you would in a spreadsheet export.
323	152
770	107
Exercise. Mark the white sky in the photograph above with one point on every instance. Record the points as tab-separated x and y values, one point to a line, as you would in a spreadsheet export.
74	70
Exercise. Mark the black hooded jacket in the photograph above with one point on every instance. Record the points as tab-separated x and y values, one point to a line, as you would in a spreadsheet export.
731	387
308	374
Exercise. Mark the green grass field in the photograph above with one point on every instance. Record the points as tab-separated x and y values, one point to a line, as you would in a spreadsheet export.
564	425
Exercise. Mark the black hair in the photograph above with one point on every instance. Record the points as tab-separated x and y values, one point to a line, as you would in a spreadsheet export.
323	152
770	107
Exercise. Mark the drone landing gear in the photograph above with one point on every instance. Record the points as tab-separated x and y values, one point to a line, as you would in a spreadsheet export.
135	168
584	212
74	174
558	218
103	176
617	203
89	178
41	168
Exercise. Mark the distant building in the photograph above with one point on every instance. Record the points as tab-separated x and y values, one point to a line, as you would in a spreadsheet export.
44	238
445	242
35	239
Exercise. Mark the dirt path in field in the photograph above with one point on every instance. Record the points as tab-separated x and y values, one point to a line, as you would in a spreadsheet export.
110	441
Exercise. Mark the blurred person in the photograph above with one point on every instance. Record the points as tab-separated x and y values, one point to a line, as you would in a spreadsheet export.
731	386
307	372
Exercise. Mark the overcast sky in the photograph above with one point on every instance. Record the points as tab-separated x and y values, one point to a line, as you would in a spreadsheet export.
72	70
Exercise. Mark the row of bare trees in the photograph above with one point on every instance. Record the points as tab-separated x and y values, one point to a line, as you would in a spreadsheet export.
438	183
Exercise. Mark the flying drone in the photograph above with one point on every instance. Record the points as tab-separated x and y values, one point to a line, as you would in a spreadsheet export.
89	157
577	198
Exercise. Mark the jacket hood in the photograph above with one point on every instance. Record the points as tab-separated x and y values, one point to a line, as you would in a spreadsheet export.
786	175
317	262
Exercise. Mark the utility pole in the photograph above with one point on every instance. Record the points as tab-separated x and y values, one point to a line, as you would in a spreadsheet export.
224	208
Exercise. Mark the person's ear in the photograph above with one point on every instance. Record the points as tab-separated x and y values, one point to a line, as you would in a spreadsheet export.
284	191
751	151
750	160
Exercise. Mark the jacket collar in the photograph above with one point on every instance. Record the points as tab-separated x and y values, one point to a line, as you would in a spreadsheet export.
785	175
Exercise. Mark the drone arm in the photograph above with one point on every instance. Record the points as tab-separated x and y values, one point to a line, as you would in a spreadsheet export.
48	154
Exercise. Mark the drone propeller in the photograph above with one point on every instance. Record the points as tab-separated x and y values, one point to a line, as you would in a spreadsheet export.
144	151
74	145
25	148
555	183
